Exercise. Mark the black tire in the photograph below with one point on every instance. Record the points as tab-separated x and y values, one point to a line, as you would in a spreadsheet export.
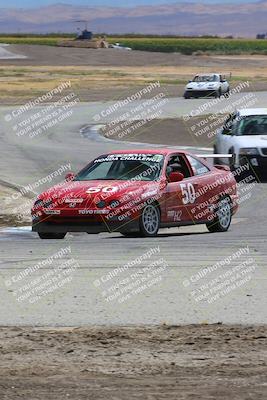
218	94
187	95
149	221
47	236
216	160
223	216
130	234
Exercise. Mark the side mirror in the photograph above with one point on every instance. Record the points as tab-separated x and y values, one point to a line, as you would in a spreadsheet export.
176	177
190	81
227	130
69	177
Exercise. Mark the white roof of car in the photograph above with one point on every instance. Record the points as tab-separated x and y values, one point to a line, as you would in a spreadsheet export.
252	111
209	73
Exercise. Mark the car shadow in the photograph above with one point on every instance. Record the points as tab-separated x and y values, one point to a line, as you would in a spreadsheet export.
160	235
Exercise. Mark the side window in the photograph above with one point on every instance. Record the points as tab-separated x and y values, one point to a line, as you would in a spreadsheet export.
177	163
197	166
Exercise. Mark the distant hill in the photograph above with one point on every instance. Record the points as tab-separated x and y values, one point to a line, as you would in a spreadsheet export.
180	18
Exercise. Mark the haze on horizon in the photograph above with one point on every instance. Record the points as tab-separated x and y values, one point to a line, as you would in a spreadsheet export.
110	3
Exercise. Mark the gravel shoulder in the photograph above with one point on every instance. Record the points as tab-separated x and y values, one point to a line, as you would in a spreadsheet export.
168	132
204	362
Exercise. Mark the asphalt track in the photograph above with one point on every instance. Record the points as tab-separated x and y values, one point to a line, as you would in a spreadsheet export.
9	55
182	252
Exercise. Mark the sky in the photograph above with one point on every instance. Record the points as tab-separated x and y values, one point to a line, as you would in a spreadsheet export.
130	3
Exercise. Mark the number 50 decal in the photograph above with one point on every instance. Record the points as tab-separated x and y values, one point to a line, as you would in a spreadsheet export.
189	193
102	189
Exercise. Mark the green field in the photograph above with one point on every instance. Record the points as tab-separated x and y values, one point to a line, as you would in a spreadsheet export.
186	46
43	40
189	46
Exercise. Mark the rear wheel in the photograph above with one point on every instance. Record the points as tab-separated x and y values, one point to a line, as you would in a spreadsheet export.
223	216
51	235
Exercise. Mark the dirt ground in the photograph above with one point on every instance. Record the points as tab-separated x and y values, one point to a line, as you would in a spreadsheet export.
166	362
169	132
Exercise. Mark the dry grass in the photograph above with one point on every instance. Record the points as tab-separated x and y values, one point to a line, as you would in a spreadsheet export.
22	83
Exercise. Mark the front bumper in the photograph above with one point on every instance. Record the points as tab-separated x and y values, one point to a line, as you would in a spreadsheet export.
73	221
201	93
257	165
89	227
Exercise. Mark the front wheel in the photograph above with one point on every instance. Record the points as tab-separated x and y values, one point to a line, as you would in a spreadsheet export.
150	221
51	235
218	94
223	217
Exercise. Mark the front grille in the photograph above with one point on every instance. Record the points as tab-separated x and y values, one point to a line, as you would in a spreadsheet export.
202	93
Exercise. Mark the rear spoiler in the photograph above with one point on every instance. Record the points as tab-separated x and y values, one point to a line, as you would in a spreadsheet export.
210	156
206	156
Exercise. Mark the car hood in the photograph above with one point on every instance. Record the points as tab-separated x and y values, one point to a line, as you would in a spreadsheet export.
258	141
99	190
202	85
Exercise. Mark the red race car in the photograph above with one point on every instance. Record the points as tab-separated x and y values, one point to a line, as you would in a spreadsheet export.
136	193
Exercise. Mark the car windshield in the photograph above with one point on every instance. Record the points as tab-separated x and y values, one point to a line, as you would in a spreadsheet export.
206	78
142	167
253	125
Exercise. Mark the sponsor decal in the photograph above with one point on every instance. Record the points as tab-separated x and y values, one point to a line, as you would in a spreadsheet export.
93	212
74	201
130	157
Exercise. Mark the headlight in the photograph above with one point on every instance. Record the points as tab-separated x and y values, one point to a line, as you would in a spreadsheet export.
249	151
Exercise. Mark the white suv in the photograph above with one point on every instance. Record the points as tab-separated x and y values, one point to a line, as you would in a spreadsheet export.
204	85
244	135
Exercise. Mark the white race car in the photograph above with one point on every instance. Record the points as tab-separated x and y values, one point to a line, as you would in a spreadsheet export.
119	46
204	85
244	135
